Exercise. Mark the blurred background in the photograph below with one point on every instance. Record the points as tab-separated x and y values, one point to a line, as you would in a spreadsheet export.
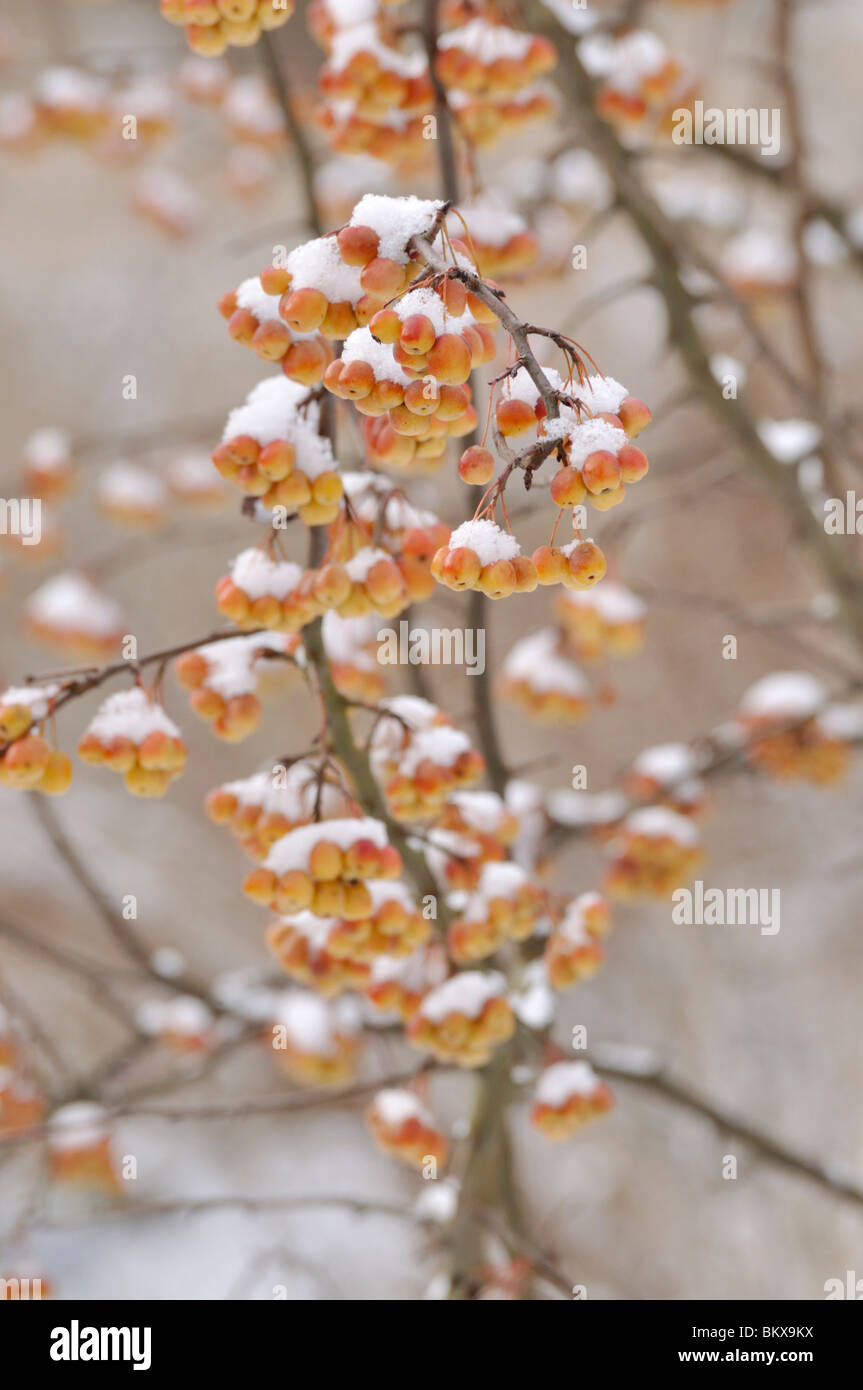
765	1028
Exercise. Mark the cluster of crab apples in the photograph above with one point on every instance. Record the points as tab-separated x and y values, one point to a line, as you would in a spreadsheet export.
403	1128
213	25
260	809
464	1019
377	91
794	732
259	591
322	868
504	906
222	680
419	758
330	286
568	1096
132	735
335	953
27	760
573	951
481	555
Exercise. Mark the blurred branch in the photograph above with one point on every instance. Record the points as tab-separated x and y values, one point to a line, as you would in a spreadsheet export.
305	162
241	1109
663	243
649	1074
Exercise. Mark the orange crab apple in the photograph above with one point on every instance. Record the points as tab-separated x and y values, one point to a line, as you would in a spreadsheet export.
449	359
634	415
587	564
601	471
514	416
476	466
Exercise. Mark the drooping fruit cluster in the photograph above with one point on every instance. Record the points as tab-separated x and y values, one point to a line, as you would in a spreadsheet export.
65	103
411	535
131	734
573	951
480	555
184	1023
21	1105
667	775
323	868
335	953
316	1041
80	1150
130	495
493	236
607	621
654	851
642	83
760	263
491	72
568	1095
402	1127
375	87
47	464
463	1020
484	828
272	448
222	678
408	373
597	419
350	645
397	984
504	906
793	731
167	200
252	313
212	25
419	758
27	760
543	681
260	809
70	613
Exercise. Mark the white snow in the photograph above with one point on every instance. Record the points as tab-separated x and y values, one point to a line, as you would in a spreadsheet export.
127	485
666	763
486	41
659	823
69	602
360	346
486	539
313	1025
80	1125
396	221
130	714
536	661
614	603
394	1106
257	574
292	850
48	449
560	1082
37	698
784	695
789	440
760	253
465	993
